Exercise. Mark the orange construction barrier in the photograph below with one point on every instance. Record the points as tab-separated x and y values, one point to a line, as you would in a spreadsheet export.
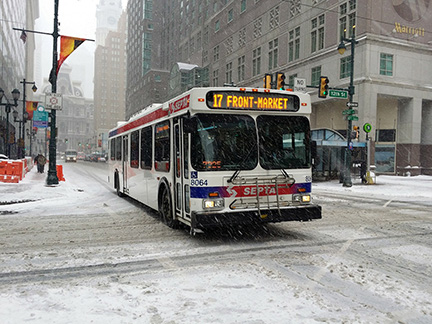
60	175
11	171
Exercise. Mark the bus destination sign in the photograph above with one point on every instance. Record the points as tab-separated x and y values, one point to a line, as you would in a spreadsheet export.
252	101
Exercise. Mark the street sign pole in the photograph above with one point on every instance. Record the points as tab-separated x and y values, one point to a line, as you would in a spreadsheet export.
52	178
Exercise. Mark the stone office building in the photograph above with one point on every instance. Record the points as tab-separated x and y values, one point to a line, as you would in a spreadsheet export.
240	41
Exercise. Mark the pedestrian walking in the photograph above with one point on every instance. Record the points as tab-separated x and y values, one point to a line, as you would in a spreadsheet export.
40	160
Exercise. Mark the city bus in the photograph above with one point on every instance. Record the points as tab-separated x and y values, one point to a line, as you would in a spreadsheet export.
218	157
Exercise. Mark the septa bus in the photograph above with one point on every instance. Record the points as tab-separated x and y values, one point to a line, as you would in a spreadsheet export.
218	157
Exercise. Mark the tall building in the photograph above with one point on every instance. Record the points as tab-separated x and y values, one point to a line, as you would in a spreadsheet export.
240	41
107	16
16	64
110	81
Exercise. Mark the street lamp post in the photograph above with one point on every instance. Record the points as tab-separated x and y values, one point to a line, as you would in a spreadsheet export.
341	49
15	97
24	120
31	135
52	178
21	142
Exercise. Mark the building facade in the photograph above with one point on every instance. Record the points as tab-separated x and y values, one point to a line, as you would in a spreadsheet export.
16	65
75	121
110	82
240	41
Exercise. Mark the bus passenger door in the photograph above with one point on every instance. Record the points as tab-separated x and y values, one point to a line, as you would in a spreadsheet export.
181	151
178	173
125	162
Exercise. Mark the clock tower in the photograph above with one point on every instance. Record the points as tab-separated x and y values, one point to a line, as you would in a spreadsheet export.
107	16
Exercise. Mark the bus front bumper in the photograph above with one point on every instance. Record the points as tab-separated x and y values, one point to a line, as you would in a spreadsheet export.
298	213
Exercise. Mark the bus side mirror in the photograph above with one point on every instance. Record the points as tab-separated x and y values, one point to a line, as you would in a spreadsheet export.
190	125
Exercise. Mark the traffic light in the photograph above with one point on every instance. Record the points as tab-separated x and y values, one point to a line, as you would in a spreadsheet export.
323	87
355	133
280	78
267	81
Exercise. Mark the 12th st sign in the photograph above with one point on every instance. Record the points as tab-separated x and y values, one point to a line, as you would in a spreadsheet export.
342	94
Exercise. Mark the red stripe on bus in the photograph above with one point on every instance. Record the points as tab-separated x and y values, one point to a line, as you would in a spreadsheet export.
142	120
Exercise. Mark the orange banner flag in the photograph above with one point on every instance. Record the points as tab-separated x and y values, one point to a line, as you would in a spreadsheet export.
67	46
30	107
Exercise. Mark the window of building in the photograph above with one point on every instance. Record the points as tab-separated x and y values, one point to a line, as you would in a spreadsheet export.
228	73
241	68
256	61
317	33
345	67
217	26
385	135
294	44
347	19
273	54
148	9
243	6
230	15
147	45
291	79
386	64
215	79
315	75
216	53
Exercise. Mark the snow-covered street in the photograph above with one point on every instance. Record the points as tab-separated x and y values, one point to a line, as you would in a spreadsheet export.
77	253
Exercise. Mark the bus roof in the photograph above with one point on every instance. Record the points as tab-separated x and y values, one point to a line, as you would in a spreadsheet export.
157	111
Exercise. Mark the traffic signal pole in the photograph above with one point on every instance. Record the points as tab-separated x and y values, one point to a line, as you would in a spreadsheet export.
347	182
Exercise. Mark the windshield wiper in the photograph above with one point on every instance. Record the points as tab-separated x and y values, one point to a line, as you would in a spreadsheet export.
236	173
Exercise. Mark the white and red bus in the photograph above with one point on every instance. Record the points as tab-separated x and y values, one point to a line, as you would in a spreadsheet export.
218	156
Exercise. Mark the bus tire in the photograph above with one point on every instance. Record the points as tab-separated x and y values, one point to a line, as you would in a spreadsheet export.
165	207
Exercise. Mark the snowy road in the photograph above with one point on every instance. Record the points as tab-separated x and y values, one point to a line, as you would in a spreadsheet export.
77	253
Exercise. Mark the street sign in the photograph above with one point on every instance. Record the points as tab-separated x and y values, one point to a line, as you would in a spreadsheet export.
349	112
338	94
299	84
40	118
352	104
53	101
367	127
352	117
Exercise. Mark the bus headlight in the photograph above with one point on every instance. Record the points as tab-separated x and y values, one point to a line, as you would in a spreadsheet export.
213	204
301	198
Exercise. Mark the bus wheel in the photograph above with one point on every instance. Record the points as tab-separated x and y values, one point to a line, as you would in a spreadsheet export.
165	208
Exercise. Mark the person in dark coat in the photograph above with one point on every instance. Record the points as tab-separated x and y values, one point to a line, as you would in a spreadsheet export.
41	161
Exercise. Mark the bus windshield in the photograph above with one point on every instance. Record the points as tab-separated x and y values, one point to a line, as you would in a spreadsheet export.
229	142
224	142
284	142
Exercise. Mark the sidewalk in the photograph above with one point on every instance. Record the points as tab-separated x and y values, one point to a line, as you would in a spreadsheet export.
416	188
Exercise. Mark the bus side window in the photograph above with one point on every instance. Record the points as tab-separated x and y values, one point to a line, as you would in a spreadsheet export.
162	146
146	148
134	149
118	146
